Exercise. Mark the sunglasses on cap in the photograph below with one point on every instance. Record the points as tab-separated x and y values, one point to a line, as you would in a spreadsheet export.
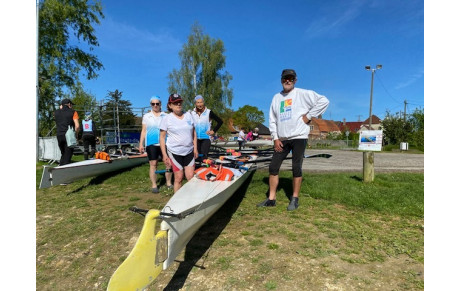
154	103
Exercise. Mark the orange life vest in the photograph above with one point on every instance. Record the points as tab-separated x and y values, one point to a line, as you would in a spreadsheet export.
214	174
102	156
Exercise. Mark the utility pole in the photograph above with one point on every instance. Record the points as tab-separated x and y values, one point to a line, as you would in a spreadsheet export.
359	117
36	80
368	157
378	67
405	104
118	128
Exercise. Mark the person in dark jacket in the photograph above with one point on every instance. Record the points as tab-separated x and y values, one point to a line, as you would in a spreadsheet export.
64	118
89	133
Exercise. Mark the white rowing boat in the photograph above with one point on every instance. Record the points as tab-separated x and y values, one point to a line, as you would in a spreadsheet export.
75	171
189	208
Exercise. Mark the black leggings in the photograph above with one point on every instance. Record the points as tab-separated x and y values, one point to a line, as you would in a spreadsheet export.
203	146
66	152
298	149
89	140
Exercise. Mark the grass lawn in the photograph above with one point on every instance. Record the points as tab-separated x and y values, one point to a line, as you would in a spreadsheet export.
346	235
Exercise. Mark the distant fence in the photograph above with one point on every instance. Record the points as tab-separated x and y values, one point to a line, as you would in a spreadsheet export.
48	149
328	143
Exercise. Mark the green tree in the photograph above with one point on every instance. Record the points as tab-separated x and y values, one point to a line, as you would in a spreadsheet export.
416	138
201	73
84	101
59	62
248	117
395	129
126	116
225	115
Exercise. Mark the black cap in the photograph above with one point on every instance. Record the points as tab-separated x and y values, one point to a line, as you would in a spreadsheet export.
66	101
174	98
288	72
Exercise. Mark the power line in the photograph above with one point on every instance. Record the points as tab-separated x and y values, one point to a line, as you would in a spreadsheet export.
416	104
381	83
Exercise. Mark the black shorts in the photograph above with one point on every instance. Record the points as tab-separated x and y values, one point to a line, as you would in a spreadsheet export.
153	152
179	162
297	146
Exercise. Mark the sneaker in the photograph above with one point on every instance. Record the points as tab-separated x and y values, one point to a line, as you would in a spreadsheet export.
294	204
267	203
170	187
155	190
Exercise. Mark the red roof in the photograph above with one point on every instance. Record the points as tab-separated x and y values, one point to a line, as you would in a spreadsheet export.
375	120
353	126
325	125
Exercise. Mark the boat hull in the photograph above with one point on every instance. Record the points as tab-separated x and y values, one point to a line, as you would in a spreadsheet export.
189	208
53	176
203	198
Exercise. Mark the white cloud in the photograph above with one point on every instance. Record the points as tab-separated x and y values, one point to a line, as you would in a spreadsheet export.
412	79
333	22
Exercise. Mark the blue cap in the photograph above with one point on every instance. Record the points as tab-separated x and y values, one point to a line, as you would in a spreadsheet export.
198	97
155	97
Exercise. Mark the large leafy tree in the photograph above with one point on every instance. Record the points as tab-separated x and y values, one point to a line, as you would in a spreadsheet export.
202	72
60	63
248	117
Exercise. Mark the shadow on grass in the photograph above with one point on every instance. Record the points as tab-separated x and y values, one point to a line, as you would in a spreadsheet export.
284	184
101	178
205	237
359	179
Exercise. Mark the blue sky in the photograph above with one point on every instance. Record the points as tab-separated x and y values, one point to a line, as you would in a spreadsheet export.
328	43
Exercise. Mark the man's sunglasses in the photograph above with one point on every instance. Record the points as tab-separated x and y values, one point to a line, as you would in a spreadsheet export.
288	79
153	104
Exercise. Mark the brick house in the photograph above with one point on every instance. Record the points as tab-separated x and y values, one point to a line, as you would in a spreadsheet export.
376	124
358	126
320	128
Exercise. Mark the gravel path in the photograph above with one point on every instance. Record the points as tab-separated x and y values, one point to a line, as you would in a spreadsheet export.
352	161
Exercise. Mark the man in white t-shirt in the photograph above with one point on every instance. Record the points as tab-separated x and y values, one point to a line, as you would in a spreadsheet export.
150	135
291	111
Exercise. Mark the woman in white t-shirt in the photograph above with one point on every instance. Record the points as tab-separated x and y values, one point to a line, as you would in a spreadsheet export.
150	135
180	149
